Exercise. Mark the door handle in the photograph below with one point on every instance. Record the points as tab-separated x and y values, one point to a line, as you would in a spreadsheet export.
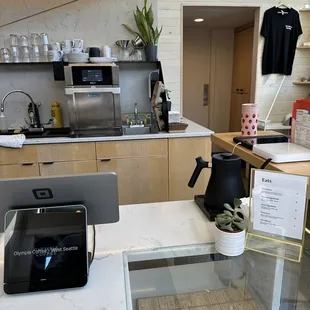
105	159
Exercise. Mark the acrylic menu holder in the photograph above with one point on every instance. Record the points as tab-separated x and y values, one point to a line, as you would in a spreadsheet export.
278	212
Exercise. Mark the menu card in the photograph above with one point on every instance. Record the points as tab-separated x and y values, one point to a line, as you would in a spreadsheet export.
279	203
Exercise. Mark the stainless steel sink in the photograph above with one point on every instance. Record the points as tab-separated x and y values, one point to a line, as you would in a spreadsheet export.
136	130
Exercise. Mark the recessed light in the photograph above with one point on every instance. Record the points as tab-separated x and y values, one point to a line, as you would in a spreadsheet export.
198	20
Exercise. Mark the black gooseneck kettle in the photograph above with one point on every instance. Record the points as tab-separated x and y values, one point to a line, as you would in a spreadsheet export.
225	183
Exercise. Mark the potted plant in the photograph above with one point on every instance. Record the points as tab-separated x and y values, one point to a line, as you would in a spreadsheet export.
146	32
230	230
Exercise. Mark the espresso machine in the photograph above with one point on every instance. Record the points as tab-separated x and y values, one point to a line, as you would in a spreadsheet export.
93	98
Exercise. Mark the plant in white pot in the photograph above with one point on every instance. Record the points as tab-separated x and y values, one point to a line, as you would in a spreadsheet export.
146	32
230	230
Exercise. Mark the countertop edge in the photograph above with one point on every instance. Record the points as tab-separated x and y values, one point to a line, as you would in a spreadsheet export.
193	131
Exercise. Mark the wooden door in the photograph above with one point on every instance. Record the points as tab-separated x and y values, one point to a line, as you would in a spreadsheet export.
237	100
242	74
140	180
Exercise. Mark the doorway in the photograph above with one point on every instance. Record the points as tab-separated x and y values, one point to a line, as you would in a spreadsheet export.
219	64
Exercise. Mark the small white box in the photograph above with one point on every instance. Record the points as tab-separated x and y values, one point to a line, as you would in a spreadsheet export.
174	117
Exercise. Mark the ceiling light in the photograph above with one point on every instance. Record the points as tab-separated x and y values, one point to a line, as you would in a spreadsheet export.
198	20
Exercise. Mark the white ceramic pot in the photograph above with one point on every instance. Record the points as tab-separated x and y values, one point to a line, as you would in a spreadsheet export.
229	243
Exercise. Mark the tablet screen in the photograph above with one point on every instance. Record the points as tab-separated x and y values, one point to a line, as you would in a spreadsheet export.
45	249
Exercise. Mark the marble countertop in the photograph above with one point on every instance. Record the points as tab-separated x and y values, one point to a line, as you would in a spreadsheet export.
193	130
141	227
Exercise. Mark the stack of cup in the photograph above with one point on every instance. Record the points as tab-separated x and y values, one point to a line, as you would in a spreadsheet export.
35	45
14	47
24	48
249	119
44	47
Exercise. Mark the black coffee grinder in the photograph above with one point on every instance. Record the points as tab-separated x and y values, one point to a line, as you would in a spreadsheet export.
225	183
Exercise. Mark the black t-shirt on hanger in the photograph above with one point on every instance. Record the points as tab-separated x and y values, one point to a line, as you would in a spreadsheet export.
281	32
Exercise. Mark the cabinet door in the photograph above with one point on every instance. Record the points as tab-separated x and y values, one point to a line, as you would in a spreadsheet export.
134	148
182	154
27	154
66	152
19	171
68	168
237	100
243	59
140	180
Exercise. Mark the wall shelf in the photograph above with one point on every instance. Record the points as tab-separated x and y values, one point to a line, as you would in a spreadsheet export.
303	47
304	10
25	63
301	83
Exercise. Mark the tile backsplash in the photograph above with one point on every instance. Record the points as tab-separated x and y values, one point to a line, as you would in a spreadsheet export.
97	22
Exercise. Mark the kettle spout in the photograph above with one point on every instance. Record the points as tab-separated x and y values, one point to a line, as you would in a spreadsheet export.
200	164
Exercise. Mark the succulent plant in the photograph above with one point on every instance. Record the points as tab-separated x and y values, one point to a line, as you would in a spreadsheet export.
232	219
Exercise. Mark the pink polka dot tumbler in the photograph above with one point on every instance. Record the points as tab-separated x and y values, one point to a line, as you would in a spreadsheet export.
249	119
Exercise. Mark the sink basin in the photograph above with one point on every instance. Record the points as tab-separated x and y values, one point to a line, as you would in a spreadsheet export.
136	130
46	133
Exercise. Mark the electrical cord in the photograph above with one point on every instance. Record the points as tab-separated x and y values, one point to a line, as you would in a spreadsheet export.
266	163
94	244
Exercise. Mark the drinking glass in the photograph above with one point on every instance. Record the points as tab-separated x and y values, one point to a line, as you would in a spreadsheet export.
44	52
35	39
15	53
23	41
14	39
25	53
5	55
35	55
44	38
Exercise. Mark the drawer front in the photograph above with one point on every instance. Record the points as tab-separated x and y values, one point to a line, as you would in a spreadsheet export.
66	152
140	180
27	154
68	168
133	148
19	171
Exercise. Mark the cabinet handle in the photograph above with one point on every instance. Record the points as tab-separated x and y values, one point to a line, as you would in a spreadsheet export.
237	89
106	159
27	164
48	163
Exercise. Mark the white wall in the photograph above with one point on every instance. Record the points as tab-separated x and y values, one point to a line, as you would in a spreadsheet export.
196	71
98	22
171	17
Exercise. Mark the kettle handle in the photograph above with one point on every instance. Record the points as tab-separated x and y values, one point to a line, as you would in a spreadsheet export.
201	164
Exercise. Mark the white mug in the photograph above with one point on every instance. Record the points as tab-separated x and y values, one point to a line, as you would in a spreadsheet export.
56	46
55	55
77	50
66	46
78	43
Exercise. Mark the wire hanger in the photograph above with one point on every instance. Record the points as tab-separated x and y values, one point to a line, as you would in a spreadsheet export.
282	5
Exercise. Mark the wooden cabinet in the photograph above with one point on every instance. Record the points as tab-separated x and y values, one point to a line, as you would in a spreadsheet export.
182	154
134	148
66	152
141	179
148	170
27	154
19	171
68	168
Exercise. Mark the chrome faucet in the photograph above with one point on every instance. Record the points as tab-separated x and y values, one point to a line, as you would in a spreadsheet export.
2	116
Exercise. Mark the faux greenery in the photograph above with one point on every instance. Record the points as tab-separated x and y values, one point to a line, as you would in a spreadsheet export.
145	20
232	219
